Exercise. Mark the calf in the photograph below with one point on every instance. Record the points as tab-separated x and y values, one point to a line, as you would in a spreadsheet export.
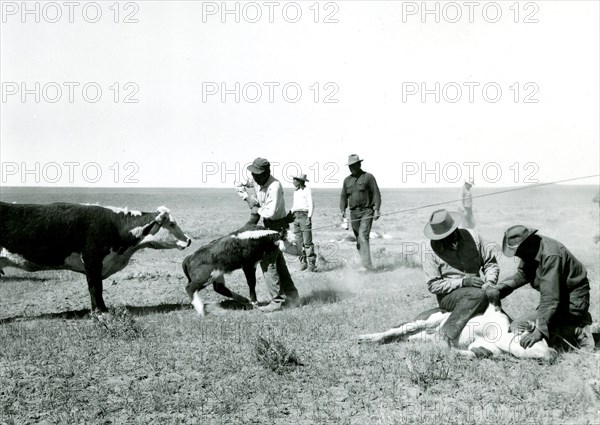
240	249
90	239
484	335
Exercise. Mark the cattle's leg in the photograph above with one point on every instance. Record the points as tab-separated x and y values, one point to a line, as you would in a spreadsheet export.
250	273
219	287
394	333
93	273
202	277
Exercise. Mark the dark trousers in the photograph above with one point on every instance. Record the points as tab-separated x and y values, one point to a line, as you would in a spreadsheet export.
303	232
464	303
277	276
362	220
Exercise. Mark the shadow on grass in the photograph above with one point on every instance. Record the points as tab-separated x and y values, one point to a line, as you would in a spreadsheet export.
325	296
85	313
4	278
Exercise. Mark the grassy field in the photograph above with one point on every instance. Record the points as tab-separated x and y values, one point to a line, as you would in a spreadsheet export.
155	362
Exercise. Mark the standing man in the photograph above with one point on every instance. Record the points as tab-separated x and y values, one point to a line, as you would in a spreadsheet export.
270	206
361	193
462	267
466	203
561	279
302	209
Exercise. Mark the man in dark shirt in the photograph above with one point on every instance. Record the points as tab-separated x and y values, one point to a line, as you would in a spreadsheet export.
454	273
561	279
361	193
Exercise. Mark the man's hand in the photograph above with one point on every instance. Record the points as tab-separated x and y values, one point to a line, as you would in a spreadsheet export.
472	281
241	191
343	214
530	339
252	201
376	215
520	327
309	221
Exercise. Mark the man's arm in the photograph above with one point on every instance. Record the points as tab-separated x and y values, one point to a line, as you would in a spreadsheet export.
309	200
375	191
343	198
508	285
491	270
549	292
436	283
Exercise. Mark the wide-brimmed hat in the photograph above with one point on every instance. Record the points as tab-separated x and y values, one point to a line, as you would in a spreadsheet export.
471	181
441	224
302	178
259	166
353	159
513	237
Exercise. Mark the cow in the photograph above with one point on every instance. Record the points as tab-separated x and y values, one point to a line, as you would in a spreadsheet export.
241	249
484	335
90	239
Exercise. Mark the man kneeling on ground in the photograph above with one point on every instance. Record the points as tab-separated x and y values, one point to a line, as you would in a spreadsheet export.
562	315
453	272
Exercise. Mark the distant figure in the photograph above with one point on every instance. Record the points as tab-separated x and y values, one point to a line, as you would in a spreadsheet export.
548	266
466	206
361	193
302	209
454	274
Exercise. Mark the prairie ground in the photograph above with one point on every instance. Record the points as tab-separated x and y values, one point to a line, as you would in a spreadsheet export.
156	362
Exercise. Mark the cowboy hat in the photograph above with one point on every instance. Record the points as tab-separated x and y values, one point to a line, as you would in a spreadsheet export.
441	224
513	237
353	159
302	178
259	166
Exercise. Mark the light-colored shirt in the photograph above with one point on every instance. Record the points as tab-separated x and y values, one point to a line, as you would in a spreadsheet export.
303	201
270	199
467	259
466	197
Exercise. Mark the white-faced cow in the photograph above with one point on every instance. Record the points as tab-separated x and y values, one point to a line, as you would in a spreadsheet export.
240	249
484	335
94	240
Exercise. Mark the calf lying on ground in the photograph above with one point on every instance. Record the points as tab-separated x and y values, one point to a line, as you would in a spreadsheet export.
484	335
240	249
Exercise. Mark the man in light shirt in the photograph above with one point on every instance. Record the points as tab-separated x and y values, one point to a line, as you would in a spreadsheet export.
303	210
271	208
456	272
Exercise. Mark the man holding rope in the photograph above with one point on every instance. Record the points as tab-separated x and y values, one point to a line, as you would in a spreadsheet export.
361	193
562	315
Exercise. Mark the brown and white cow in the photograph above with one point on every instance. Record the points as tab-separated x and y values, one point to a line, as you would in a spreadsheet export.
90	239
484	335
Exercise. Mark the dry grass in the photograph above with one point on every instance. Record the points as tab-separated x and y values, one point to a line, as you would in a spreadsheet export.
154	365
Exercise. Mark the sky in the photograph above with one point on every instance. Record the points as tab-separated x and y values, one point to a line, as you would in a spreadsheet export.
186	94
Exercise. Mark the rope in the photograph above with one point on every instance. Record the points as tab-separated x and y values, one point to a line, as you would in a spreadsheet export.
533	186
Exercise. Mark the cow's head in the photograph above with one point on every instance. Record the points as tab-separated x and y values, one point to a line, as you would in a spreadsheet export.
164	233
